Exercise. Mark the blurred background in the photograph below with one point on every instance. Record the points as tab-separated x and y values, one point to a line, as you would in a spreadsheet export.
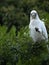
16	46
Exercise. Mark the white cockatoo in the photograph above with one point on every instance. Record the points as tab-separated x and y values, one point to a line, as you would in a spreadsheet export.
37	28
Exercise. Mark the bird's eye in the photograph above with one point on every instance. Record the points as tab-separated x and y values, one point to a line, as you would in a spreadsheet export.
35	14
30	13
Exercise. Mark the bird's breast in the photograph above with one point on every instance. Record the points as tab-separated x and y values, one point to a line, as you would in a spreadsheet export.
36	36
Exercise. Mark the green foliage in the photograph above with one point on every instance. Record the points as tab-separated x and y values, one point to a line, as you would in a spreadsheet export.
20	49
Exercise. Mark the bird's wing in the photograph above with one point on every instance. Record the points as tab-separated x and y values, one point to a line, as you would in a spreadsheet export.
44	31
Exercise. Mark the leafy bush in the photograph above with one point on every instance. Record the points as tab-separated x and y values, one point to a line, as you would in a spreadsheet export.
20	49
16	47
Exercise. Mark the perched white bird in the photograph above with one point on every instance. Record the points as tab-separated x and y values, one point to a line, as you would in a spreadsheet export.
37	28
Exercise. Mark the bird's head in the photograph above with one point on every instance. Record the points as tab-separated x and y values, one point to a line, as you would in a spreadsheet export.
34	14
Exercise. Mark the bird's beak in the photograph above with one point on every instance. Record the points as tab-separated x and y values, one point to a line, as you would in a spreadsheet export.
33	15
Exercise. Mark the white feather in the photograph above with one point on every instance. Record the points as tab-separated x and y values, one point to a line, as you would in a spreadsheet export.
35	22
